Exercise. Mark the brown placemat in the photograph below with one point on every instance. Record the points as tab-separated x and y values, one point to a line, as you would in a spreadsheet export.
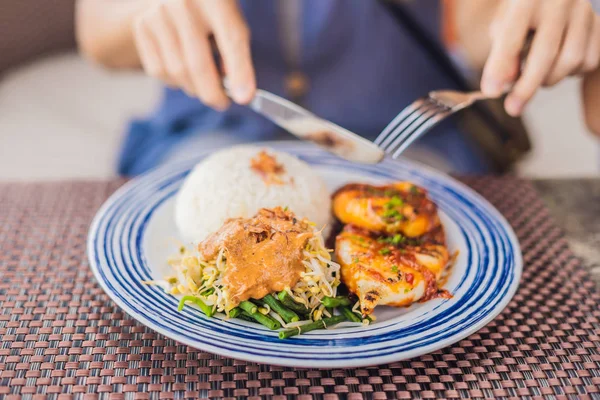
62	337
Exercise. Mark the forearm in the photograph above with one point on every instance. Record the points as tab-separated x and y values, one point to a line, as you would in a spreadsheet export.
105	32
591	101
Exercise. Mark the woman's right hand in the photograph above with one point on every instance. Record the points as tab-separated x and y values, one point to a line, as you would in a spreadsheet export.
173	42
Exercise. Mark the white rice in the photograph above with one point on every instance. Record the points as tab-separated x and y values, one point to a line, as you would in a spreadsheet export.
224	186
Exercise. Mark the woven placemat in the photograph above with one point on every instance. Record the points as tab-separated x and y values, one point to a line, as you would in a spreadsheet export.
62	337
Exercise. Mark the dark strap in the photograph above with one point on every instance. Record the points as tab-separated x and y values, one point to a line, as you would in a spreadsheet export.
432	47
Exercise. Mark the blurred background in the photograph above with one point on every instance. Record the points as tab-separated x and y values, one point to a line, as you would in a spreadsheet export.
58	112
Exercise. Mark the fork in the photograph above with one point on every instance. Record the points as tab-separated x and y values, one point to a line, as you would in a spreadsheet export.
422	115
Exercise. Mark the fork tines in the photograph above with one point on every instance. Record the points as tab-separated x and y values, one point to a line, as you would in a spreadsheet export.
410	124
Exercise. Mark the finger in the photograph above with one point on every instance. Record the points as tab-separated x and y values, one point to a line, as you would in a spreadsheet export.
148	51
197	57
498	19
502	65
169	48
592	58
572	54
542	55
233	40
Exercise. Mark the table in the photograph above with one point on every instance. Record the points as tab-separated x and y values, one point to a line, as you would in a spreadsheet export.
62	337
575	206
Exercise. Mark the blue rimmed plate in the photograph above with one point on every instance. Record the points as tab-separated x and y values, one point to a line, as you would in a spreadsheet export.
133	234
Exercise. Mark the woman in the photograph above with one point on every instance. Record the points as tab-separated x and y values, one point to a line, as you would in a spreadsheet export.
349	61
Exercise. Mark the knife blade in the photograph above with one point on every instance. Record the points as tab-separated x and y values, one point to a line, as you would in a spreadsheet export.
307	126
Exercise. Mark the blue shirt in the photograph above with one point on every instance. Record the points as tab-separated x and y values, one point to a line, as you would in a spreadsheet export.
362	68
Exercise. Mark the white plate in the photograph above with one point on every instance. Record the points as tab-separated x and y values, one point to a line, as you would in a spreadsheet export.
133	235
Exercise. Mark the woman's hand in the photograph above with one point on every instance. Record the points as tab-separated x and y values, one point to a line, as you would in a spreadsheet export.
591	101
172	39
566	42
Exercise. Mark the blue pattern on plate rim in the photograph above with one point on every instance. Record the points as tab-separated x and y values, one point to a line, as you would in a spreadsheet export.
117	257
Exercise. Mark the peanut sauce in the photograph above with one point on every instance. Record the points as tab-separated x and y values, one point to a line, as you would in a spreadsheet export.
268	168
264	253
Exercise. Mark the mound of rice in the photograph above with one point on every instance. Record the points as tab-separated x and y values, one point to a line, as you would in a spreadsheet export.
224	185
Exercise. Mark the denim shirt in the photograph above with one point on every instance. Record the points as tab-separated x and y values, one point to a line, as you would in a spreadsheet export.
361	66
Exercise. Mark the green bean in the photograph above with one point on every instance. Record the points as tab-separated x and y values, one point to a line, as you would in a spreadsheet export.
285	313
320	324
243	315
265	320
249	307
205	309
350	315
235	312
292	304
333	302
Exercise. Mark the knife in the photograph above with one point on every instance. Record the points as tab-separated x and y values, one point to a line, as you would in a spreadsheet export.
307	126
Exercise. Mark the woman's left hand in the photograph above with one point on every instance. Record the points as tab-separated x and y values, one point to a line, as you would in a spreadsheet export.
566	42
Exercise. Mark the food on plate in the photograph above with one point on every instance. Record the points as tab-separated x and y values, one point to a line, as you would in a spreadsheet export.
393	249
263	254
239	181
257	217
391	270
272	268
400	207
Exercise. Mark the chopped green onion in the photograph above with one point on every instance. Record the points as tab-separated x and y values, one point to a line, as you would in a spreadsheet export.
392	214
395	202
395	240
